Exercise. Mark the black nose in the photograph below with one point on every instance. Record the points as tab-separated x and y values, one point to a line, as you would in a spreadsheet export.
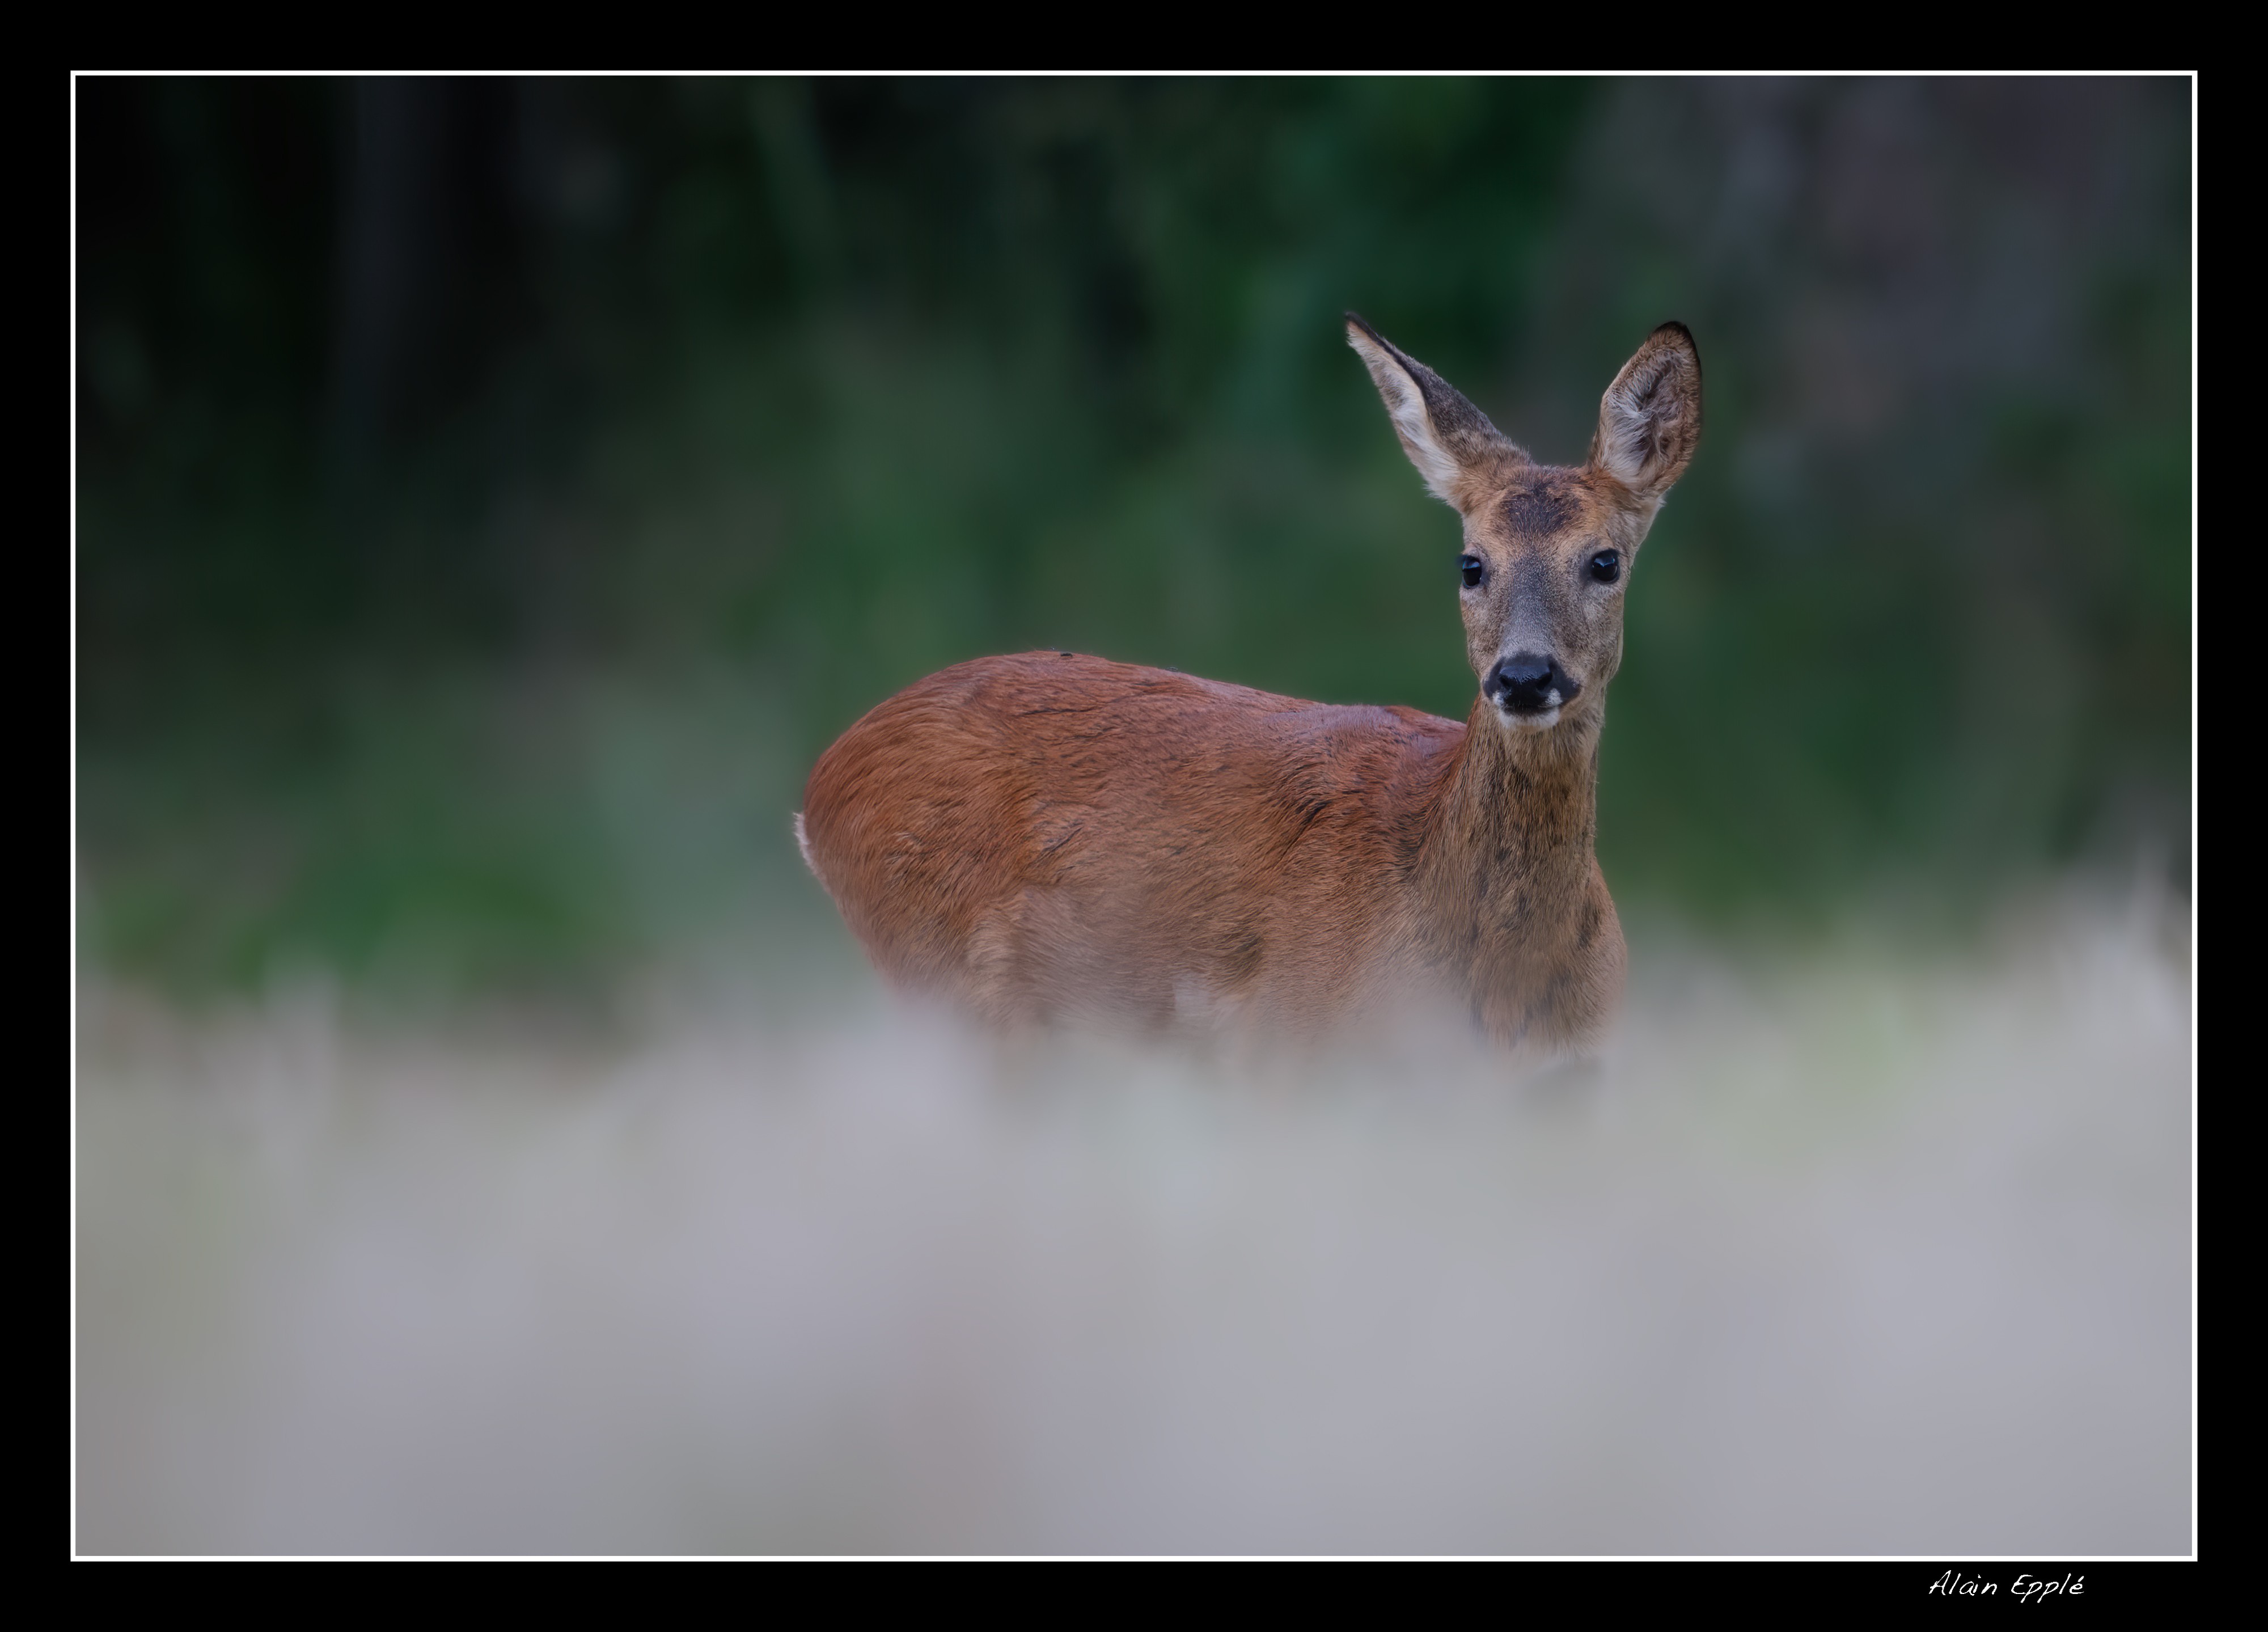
1526	683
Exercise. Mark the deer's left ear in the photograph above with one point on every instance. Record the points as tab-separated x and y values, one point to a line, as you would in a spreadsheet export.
1650	418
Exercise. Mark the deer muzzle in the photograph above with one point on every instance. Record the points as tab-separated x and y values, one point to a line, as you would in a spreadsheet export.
1530	688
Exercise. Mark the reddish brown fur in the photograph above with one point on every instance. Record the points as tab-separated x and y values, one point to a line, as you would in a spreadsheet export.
1047	835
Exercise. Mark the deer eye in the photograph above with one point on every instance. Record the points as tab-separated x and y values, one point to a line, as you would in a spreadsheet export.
1470	566
1607	565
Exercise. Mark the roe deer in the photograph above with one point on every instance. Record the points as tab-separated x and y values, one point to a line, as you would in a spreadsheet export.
1049	835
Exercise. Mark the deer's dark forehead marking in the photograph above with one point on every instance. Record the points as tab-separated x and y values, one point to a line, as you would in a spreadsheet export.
1543	504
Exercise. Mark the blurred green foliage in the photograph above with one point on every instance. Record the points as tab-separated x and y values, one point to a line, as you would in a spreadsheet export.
492	495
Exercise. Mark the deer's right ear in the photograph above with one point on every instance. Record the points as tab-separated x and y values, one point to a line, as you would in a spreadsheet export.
1446	437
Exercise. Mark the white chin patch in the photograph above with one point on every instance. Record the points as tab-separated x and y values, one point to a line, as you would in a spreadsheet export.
1543	721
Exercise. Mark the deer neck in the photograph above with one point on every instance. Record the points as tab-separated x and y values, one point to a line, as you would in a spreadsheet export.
1508	881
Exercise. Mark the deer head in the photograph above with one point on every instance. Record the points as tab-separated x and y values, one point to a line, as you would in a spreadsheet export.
1547	548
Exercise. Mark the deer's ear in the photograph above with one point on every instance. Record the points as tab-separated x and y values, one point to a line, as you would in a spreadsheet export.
1447	437
1650	418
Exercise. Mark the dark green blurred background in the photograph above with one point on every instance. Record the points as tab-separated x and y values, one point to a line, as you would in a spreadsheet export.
493	495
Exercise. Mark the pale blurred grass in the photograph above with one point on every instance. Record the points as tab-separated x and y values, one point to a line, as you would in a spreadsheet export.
1855	1250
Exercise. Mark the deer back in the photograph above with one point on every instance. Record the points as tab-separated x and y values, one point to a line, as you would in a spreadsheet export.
1049	835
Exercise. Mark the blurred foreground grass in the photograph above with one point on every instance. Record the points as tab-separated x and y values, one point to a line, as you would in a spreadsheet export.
1846	1252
